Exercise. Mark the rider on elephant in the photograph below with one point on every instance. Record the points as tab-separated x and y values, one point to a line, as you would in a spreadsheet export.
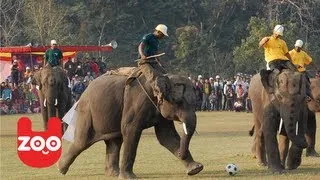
277	54
276	51
151	67
53	55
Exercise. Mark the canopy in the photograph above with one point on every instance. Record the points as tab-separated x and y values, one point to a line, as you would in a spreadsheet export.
33	55
6	52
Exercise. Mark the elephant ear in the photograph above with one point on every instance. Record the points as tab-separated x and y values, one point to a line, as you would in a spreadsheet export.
162	86
268	79
36	79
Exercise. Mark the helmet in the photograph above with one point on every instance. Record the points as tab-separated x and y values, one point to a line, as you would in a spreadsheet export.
217	77
162	28
200	76
299	43
53	41
278	29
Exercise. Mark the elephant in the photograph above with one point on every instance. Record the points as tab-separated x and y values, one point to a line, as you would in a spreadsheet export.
117	112
55	96
279	97
310	135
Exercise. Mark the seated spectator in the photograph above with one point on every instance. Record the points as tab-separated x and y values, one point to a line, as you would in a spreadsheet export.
4	109
6	94
238	105
3	85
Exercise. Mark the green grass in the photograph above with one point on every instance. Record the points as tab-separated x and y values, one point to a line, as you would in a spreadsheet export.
222	139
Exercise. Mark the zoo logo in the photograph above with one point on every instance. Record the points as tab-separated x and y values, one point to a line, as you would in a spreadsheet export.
39	149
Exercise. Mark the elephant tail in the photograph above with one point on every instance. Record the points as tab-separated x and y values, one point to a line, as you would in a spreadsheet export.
251	132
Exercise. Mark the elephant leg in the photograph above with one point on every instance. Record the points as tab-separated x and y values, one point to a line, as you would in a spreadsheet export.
270	123
260	148
170	139
131	136
311	135
61	112
83	139
112	156
294	157
283	147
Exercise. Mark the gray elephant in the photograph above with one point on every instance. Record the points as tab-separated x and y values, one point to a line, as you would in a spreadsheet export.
117	113
310	135
274	97
55	96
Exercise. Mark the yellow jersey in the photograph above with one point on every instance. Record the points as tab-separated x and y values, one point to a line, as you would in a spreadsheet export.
300	58
275	48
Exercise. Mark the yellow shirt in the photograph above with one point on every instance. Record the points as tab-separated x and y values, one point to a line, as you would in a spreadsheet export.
275	49
300	58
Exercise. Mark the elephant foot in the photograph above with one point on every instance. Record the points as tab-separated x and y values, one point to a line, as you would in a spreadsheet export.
312	153
112	172
277	170
61	169
127	175
262	164
194	168
293	163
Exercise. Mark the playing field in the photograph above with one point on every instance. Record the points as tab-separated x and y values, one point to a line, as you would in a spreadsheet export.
222	139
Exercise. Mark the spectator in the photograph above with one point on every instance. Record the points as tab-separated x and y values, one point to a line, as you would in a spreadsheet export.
70	67
86	66
94	68
213	99
229	96
6	94
79	70
205	95
218	87
240	92
238	105
3	85
15	73
102	66
198	94
78	89
88	77
28	75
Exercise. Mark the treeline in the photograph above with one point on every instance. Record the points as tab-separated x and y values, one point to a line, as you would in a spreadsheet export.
205	36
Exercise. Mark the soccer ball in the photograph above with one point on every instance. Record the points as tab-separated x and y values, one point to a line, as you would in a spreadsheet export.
232	169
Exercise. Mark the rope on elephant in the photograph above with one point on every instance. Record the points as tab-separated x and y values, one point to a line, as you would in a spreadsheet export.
148	95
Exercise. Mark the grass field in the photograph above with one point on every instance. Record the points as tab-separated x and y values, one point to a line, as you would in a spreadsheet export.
222	139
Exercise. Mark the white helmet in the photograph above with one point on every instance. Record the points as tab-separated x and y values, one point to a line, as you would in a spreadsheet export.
200	77
162	28
299	43
217	77
278	29
53	41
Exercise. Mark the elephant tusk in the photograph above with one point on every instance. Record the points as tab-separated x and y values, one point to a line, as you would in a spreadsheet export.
280	125
37	87
56	102
185	128
297	127
45	103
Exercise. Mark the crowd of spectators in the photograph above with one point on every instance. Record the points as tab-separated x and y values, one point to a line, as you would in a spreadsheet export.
18	95
217	94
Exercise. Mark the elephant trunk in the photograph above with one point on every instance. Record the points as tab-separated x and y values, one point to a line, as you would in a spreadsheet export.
189	125
294	122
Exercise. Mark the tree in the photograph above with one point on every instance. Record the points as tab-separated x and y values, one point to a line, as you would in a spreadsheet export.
10	18
45	20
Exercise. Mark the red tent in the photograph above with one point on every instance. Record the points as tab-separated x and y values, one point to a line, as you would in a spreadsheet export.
31	52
